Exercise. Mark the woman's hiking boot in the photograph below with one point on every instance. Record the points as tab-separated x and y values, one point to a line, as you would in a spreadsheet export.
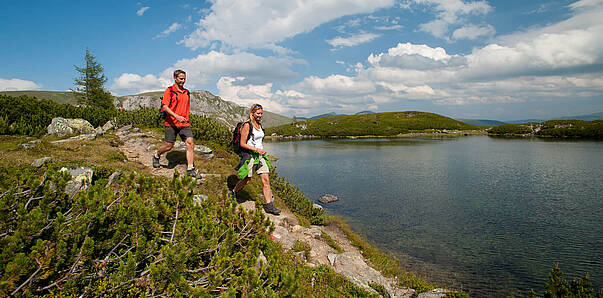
269	208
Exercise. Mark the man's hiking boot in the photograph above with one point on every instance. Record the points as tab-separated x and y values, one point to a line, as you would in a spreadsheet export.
193	173
156	162
269	208
232	194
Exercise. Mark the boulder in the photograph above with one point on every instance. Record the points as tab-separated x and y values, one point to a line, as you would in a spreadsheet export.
328	198
80	179
75	138
204	151
282	235
435	293
62	126
316	206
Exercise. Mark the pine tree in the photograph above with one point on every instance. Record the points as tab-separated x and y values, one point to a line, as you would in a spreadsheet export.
90	89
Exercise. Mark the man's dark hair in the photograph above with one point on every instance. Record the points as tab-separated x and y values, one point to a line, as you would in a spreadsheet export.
177	72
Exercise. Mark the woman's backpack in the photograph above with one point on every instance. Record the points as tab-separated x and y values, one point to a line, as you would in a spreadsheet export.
236	137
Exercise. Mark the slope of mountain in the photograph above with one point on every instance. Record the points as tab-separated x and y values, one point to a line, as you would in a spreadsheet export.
57	96
482	122
589	117
202	103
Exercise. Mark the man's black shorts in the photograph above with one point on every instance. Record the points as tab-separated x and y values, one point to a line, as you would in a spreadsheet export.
171	132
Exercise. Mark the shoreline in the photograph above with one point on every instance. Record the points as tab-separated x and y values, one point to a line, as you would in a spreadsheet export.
434	133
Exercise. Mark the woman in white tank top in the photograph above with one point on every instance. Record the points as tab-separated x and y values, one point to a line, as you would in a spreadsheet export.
253	158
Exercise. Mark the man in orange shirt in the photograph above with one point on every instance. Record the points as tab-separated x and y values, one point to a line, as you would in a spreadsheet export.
175	103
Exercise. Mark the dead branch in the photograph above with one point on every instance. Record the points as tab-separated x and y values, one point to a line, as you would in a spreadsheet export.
114	201
175	221
32	199
27	281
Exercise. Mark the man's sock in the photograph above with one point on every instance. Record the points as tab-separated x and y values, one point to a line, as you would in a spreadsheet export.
156	155
190	167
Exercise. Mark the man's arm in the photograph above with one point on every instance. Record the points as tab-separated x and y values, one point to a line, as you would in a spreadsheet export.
167	98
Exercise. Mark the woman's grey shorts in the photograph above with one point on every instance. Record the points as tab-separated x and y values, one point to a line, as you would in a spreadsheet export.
171	132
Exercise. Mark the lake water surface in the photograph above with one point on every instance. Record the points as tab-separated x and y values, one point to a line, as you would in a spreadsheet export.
488	215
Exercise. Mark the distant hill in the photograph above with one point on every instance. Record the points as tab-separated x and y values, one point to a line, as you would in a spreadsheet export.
364	112
375	124
57	96
202	103
589	117
332	114
482	122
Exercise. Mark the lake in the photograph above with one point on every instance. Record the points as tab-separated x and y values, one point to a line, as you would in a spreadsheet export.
489	215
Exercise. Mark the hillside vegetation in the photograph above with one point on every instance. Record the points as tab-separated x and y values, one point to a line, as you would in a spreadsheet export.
377	124
552	128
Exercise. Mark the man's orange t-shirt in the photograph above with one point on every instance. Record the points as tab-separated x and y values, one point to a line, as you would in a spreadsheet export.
180	105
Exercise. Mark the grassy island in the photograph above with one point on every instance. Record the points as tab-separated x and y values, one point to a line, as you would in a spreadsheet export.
388	124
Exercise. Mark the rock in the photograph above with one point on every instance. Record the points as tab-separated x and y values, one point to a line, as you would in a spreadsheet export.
75	138
109	125
353	267
316	206
332	258
40	162
199	199
435	293
113	178
282	235
61	126
27	145
314	232
99	131
198	149
259	262
80	179
328	198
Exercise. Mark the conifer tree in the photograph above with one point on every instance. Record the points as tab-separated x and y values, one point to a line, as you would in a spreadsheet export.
90	89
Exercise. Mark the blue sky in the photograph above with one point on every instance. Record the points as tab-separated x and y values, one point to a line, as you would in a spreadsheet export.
502	60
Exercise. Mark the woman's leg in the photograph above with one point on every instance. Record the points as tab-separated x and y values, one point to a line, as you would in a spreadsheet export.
266	187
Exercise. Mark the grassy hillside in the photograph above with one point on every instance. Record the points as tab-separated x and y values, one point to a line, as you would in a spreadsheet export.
377	124
56	96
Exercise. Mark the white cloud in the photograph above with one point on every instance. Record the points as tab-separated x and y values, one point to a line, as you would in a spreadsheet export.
352	40
142	10
208	68
173	27
229	21
473	32
336	85
248	94
390	27
450	12
17	85
134	82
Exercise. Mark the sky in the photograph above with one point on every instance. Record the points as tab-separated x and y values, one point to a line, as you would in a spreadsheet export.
489	59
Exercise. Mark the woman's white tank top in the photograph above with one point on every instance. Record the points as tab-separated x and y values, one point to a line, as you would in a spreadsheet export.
256	139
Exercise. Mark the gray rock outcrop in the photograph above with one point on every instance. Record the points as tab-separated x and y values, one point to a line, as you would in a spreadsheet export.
62	126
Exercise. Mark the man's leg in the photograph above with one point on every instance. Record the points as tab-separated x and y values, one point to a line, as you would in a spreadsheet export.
169	138
190	153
